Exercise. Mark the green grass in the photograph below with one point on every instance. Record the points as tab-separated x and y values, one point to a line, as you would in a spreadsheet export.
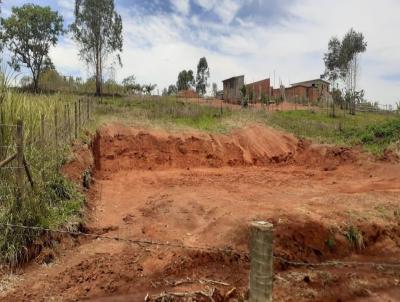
54	202
174	114
373	131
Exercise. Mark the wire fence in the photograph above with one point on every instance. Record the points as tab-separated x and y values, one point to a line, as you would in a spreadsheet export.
204	248
46	131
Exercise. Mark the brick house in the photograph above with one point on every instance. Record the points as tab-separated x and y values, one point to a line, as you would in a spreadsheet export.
232	88
311	90
257	89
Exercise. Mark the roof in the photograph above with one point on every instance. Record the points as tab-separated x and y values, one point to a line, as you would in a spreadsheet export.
233	78
259	82
304	83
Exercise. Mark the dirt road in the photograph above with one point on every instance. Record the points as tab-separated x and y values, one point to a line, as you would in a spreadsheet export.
203	190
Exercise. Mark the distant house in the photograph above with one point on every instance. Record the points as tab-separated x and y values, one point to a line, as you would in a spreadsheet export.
311	90
257	89
232	88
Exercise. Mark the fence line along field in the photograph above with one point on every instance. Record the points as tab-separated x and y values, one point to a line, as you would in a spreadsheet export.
48	125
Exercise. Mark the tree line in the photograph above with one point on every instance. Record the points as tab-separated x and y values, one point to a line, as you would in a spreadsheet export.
188	81
31	30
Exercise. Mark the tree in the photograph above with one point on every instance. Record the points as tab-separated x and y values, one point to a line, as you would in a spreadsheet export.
148	88
98	30
215	89
341	62
185	80
172	90
30	48
129	83
203	72
352	45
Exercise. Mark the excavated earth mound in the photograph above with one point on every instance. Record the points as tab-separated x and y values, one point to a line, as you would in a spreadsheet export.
120	148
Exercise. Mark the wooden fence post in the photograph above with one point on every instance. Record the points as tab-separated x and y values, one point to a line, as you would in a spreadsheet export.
261	261
65	124
79	114
88	109
19	172
69	123
76	120
56	125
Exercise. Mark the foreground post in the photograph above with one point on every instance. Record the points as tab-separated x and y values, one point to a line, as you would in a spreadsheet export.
76	120
261	261
19	171
42	129
56	125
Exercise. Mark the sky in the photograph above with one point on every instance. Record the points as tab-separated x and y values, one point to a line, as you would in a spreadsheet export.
255	38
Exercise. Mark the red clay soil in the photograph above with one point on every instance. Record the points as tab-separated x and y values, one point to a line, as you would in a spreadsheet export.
197	189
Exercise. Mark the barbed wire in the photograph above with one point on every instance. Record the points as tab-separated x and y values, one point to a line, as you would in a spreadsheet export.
12	168
127	240
8	125
228	250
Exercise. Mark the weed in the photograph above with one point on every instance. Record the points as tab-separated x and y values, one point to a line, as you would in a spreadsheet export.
330	243
355	238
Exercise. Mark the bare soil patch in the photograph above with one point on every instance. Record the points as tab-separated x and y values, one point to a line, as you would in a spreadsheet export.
199	189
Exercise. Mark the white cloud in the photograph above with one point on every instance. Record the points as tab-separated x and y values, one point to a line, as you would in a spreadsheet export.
226	10
206	4
181	6
157	46
67	8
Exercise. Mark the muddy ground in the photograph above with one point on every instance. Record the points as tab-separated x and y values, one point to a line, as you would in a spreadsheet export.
199	190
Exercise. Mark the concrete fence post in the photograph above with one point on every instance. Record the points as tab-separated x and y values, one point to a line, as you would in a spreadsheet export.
261	261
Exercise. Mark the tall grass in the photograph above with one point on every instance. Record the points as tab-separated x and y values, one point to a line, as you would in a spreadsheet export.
375	132
53	201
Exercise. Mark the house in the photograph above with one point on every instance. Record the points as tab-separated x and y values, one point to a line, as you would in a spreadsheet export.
311	90
257	89
232	88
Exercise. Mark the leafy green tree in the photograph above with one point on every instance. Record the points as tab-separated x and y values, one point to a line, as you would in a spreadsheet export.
203	73
29	33
98	30
332	60
185	80
148	88
129	83
341	62
172	90
353	44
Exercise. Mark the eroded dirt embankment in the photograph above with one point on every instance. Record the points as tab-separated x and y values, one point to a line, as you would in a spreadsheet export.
120	148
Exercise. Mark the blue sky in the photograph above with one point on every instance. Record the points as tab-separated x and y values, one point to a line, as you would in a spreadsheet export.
251	37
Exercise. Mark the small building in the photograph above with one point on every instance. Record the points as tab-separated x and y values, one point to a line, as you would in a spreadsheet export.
311	90
232	88
257	89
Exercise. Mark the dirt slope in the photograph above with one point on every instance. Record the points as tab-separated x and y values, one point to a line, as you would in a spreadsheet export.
199	189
